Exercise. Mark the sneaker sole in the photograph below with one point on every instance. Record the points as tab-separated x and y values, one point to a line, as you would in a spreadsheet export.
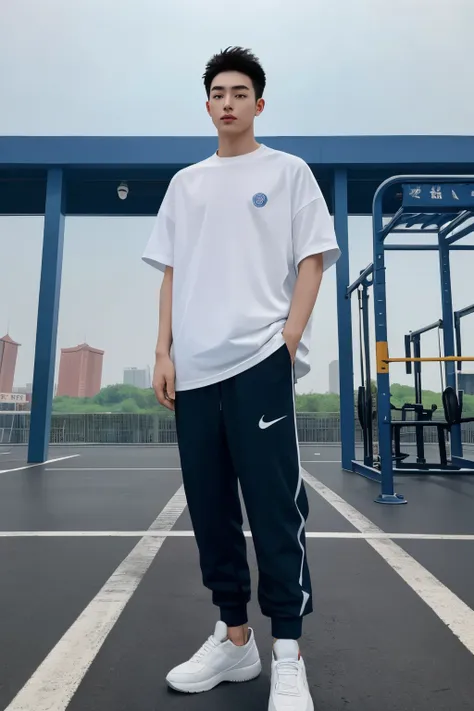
309	706
235	675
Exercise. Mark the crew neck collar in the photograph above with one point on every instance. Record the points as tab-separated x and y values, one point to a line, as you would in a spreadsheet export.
243	158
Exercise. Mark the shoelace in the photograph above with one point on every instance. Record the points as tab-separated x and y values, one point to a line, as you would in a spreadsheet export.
287	677
208	646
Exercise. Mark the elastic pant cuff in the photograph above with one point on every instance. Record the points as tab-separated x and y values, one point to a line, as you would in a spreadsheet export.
234	616
287	627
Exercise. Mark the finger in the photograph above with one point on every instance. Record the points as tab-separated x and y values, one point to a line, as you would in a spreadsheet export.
170	388
169	404
159	389
170	399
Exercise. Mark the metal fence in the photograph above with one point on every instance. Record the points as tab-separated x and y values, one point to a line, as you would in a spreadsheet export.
121	428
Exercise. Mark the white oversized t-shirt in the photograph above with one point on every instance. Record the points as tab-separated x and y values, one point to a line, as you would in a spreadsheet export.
235	230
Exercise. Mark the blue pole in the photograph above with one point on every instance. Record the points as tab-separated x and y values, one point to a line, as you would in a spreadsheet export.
448	334
47	321
387	495
344	322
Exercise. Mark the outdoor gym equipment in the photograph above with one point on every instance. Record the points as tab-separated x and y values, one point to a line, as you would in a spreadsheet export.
365	408
458	316
444	206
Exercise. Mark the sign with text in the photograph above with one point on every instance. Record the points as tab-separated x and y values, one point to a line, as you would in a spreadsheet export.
12	397
437	197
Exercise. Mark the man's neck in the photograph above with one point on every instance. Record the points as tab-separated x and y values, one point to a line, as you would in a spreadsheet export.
233	146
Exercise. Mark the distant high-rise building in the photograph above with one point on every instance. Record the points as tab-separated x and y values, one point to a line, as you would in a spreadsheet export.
139	377
466	383
80	371
334	377
24	390
8	356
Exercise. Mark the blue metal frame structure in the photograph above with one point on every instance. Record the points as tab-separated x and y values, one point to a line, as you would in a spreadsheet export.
346	406
458	316
430	204
63	175
47	322
414	337
125	152
362	284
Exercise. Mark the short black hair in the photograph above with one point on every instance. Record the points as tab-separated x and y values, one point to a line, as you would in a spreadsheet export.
236	59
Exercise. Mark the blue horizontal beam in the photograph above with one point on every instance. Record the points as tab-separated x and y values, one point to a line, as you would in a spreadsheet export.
435	471
425	329
367	472
411	247
400	180
466	311
426	247
439	195
182	150
467	464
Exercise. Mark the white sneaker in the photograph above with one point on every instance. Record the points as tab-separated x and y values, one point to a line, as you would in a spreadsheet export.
216	661
289	685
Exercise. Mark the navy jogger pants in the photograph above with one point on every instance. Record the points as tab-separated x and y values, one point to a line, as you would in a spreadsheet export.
243	429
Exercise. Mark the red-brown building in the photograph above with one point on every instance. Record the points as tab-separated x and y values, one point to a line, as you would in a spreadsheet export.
80	371
8	356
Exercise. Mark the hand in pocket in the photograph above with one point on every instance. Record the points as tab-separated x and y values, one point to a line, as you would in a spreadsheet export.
292	344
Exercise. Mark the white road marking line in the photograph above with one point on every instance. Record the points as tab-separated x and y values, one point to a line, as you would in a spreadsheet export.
41	464
455	614
54	683
387	536
113	469
329	445
321	461
4	453
344	535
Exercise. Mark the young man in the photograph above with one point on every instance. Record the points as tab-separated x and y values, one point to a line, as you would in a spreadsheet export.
243	239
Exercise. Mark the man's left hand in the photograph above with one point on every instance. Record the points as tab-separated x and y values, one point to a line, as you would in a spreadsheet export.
292	342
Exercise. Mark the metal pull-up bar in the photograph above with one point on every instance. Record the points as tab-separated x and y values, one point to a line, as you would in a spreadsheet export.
436	359
383	358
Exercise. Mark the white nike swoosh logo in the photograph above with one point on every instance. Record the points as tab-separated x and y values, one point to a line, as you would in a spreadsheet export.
263	425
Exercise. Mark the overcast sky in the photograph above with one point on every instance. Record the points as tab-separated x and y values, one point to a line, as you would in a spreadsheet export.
345	67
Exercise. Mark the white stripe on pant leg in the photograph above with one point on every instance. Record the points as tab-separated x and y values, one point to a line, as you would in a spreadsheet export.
298	490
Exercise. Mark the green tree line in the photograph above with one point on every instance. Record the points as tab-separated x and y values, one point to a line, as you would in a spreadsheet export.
404	393
129	399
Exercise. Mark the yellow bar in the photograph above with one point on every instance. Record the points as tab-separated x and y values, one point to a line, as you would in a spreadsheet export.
428	360
381	349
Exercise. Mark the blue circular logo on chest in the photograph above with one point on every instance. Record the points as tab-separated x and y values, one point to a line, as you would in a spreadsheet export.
259	199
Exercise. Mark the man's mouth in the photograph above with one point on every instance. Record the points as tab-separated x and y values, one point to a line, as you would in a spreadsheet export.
228	117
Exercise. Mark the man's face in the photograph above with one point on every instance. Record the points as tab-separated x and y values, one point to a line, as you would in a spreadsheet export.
232	104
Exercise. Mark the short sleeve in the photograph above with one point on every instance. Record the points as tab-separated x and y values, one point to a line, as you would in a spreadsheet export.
159	251
313	228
